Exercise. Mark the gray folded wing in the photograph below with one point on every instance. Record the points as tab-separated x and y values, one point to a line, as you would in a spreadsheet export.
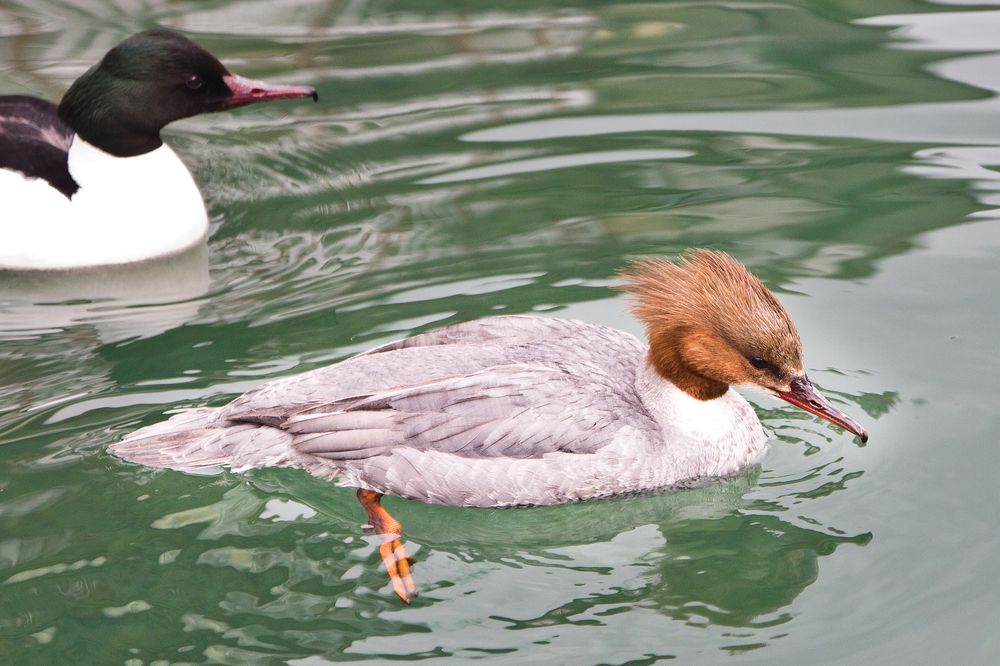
502	389
514	411
461	349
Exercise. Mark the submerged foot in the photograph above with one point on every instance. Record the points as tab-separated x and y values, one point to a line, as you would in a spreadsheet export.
394	555
397	563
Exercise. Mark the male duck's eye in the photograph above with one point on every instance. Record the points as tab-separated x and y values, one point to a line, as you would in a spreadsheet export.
759	363
194	82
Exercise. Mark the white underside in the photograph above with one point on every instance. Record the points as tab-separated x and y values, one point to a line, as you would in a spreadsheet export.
127	209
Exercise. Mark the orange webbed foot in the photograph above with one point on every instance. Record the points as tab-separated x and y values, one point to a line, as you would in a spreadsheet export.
397	563
394	555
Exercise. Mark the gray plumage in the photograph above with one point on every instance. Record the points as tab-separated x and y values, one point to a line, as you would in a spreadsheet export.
501	411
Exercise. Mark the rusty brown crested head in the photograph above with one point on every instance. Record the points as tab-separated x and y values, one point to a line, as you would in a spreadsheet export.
711	323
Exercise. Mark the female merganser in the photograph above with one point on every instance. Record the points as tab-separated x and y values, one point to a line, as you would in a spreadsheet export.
90	182
524	410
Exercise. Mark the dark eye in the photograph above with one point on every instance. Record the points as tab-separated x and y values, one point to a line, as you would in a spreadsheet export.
759	363
194	82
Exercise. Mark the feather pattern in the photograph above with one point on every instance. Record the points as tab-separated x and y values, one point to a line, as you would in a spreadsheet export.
34	142
501	411
711	290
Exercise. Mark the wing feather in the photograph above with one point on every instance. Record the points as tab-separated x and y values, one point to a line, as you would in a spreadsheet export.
515	411
34	142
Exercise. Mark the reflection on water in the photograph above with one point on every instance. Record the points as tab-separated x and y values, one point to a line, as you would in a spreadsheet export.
469	160
704	558
118	303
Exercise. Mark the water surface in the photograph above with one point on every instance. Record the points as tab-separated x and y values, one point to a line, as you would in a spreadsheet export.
468	160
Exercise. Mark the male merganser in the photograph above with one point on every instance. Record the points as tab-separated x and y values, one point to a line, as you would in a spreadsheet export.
524	410
90	182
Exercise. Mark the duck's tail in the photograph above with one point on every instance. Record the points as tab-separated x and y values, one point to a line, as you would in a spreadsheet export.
199	440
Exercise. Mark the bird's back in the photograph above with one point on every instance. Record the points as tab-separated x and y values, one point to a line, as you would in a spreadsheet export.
499	411
34	142
461	349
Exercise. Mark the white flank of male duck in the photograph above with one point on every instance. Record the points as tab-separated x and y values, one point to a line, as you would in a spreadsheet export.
90	182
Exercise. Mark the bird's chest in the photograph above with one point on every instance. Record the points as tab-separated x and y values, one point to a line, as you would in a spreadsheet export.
133	208
700	438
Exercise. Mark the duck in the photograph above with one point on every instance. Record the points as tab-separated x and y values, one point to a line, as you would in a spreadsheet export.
89	182
524	410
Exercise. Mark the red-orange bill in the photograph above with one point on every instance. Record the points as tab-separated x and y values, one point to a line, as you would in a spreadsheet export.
248	91
804	395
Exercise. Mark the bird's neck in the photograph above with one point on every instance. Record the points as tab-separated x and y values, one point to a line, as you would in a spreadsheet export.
158	170
703	437
93	108
666	358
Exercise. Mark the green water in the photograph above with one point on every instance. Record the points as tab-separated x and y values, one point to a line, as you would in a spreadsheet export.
468	159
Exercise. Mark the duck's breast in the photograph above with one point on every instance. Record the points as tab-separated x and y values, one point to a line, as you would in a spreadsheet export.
127	209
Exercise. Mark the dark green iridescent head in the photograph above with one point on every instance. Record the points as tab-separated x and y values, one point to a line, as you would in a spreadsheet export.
149	80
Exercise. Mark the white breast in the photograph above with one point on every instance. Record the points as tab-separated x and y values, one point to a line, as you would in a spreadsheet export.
703	437
127	209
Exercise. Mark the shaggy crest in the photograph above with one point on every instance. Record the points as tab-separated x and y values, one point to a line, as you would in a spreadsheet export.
709	290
